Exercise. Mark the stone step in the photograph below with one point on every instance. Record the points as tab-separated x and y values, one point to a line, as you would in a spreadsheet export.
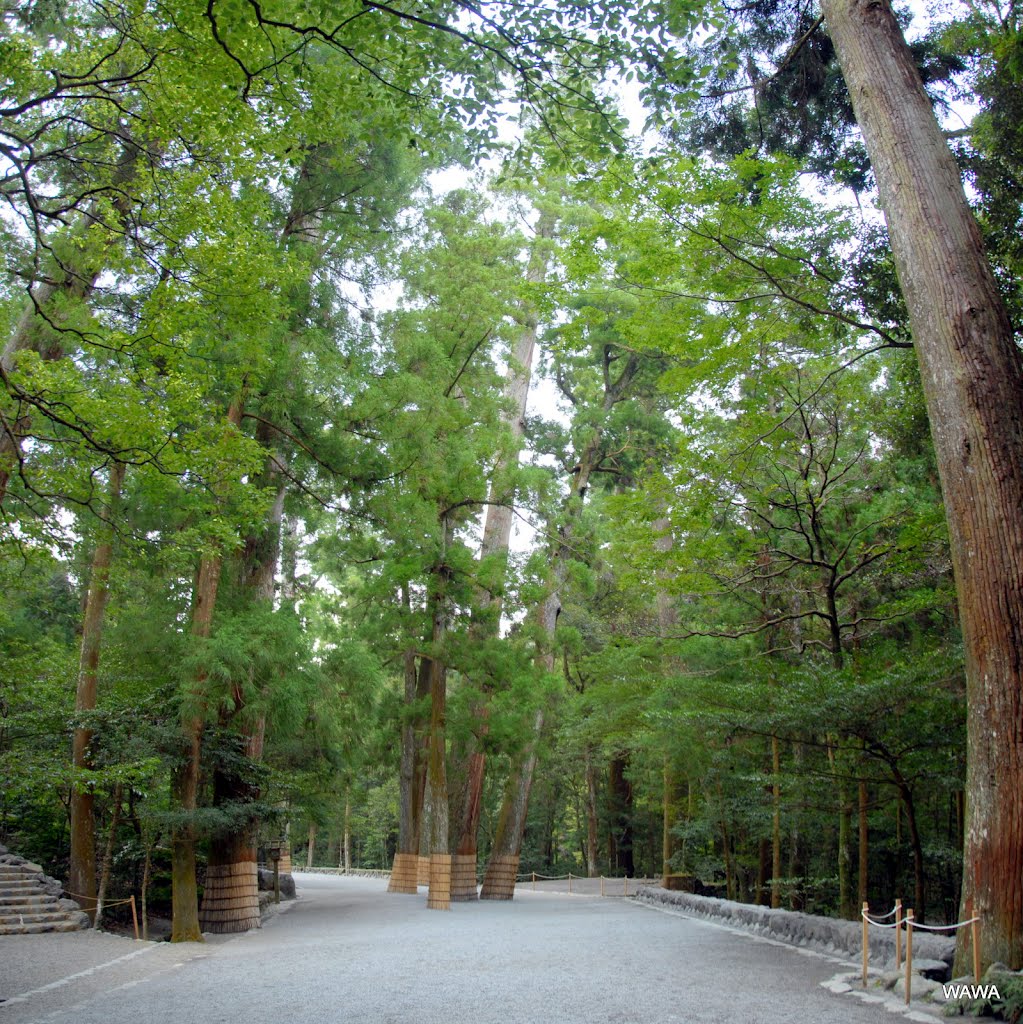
38	927
26	899
27	889
32	915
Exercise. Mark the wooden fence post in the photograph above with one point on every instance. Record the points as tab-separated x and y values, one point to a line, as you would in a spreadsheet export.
974	941
866	940
898	934
909	955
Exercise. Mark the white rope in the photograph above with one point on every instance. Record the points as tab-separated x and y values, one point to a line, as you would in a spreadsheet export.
944	927
917	925
891	913
878	924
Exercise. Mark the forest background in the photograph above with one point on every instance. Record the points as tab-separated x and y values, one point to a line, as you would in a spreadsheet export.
267	424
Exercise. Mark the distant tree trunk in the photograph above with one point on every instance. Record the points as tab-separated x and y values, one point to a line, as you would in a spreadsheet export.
499	880
147	867
919	876
346	844
726	850
763	896
776	823
668	797
973	385
797	855
82	866
864	843
108	856
592	850
620	792
311	848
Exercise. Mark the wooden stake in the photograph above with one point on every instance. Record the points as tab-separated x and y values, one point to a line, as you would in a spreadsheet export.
626	885
909	955
975	941
534	881
570	881
601	885
898	934
866	940
134	917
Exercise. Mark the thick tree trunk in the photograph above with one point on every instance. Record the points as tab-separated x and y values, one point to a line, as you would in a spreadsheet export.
405	867
82	866
973	384
503	866
497	530
185	778
439	897
230	901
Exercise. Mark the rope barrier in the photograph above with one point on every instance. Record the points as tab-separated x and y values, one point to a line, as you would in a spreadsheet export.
95	899
111	903
911	926
945	927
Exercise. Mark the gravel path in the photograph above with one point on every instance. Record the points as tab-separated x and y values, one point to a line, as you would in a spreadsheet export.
348	952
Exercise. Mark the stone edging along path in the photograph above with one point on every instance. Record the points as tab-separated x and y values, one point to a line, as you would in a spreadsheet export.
824	934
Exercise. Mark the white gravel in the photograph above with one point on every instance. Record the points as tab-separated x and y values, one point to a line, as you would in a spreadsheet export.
349	952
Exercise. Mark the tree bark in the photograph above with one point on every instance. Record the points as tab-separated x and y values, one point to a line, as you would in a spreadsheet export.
439	897
973	385
503	866
82	866
405	867
497	531
499	880
231	896
185	777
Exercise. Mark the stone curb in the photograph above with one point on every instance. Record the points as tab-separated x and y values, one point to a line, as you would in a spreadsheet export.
823	934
